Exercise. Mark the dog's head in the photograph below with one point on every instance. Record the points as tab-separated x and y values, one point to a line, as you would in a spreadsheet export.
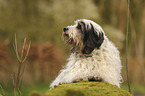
84	36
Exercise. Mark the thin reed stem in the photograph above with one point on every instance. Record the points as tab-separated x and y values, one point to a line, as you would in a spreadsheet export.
128	2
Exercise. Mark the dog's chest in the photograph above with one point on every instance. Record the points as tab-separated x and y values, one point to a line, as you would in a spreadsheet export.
93	61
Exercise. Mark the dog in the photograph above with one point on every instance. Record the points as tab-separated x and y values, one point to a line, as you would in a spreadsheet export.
93	57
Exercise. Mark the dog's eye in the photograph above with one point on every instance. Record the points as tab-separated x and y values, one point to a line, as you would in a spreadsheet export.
79	26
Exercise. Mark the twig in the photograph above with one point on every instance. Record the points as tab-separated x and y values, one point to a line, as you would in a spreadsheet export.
27	52
16	49
23	49
21	78
14	85
17	80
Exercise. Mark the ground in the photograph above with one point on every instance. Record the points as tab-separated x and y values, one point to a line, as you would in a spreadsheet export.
85	88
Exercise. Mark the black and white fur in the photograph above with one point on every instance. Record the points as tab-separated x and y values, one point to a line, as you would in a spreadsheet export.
93	56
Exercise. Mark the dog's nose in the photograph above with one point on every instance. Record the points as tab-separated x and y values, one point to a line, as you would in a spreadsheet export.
65	29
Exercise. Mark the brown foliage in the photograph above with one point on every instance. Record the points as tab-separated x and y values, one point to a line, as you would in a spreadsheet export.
4	56
45	59
43	51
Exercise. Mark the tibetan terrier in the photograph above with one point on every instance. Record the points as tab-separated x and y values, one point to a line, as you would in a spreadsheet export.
93	57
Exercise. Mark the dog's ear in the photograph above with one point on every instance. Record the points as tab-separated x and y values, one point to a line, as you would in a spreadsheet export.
91	38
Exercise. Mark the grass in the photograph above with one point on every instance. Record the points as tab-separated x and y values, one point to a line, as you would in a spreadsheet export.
134	88
26	89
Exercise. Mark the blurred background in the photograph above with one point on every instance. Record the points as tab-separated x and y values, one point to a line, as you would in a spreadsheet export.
42	22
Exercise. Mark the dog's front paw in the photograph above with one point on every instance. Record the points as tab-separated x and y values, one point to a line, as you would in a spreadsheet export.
80	79
93	78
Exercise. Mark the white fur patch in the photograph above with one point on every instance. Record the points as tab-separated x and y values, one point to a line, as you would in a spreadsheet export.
104	63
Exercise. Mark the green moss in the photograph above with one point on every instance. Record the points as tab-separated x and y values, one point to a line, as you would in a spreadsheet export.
85	88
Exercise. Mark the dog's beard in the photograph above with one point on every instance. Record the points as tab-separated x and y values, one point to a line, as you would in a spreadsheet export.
76	43
69	41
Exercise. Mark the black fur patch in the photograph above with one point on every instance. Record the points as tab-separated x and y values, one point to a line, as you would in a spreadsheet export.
91	39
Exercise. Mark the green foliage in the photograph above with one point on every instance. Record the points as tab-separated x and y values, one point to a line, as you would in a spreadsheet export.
135	88
85	88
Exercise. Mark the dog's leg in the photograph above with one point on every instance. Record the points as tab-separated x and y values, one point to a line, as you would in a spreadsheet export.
80	79
94	78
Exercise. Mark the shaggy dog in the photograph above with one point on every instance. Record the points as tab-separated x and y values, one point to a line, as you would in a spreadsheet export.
93	56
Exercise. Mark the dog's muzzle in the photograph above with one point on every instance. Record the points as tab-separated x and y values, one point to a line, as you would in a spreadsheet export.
65	29
65	33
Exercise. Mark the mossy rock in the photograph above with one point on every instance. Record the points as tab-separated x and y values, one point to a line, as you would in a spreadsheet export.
85	88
